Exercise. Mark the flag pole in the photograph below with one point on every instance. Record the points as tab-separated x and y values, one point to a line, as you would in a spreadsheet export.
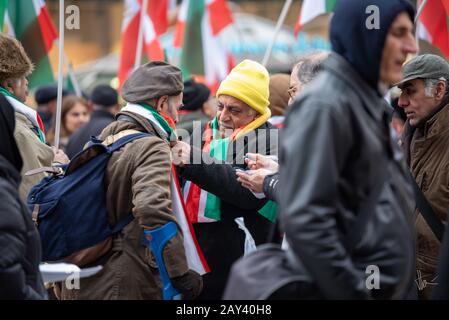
72	77
418	14
60	75
279	24
138	59
69	68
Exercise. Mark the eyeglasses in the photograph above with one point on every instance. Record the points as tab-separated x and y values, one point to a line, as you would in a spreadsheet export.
292	92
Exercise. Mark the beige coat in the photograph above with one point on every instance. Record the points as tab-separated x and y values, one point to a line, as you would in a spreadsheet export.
138	180
429	164
35	154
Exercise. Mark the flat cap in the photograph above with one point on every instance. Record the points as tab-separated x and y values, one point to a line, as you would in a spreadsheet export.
195	95
46	94
426	66
104	95
152	80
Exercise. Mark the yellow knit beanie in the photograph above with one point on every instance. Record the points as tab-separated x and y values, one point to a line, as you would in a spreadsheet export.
249	82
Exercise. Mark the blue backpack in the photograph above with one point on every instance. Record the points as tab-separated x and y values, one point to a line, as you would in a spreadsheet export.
70	209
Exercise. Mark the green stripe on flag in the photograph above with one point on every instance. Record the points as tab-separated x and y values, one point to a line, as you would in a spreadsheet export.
269	210
192	58
330	5
26	26
3	5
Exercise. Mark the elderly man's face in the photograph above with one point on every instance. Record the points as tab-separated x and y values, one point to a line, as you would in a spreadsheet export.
233	114
416	104
171	105
399	43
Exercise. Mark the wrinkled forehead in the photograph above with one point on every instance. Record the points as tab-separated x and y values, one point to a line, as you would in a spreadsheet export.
414	83
225	100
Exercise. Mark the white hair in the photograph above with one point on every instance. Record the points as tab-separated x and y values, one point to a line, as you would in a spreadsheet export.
430	84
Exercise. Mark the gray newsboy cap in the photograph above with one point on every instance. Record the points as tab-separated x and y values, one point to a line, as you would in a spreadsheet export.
426	66
152	80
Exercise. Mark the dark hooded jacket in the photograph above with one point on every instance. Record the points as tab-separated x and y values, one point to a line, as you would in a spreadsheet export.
20	251
334	161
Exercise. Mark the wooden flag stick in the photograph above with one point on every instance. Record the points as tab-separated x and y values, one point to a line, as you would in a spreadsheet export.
60	74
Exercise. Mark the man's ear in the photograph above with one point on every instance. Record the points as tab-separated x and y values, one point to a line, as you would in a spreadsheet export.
160	103
8	85
440	90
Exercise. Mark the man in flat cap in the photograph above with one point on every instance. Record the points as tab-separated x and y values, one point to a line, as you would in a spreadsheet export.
15	66
104	100
425	99
138	180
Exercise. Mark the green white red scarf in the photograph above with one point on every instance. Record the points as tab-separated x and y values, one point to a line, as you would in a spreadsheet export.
203	206
27	111
165	125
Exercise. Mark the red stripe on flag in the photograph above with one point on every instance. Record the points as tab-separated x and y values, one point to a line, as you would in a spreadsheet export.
47	27
193	202
155	51
158	12
434	18
192	232
179	34
129	47
446	6
219	15
40	123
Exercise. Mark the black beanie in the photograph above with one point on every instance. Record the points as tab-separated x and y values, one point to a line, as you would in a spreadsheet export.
195	95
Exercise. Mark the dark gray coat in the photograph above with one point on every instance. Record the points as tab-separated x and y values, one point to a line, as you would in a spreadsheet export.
334	147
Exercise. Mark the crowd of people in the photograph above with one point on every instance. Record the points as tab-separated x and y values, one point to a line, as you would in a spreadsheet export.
318	161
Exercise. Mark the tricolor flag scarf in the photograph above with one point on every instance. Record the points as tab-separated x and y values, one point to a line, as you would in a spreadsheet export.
166	125
205	207
27	111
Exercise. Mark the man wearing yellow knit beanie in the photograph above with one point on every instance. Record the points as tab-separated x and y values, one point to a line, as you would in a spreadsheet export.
214	197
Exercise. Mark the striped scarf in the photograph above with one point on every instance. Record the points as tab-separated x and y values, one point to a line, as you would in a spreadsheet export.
27	111
205	207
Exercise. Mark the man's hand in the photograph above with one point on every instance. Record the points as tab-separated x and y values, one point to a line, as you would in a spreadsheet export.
256	161
190	284
181	154
253	179
60	156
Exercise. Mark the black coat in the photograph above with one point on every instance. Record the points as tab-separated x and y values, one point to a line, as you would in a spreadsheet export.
270	186
330	165
223	242
20	251
99	120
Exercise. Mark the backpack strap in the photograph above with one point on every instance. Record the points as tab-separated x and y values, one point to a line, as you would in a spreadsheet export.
114	143
122	223
424	207
118	140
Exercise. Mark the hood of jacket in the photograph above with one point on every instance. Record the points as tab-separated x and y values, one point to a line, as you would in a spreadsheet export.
360	46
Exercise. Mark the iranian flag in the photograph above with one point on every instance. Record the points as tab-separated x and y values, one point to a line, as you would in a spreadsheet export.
311	9
155	23
30	23
200	23
433	24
